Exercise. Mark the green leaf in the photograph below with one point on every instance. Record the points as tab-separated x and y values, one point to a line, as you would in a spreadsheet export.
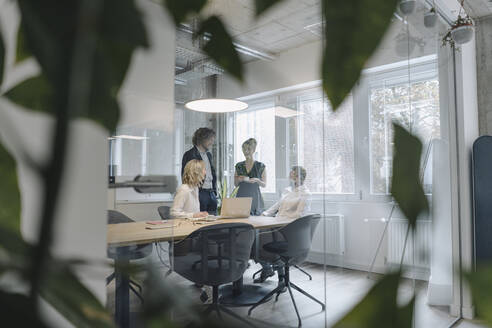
22	51
16	308
35	93
353	30
262	5
377	309
2	58
406	187
181	9
220	46
12	242
405	315
63	290
234	192
480	283
50	31
10	201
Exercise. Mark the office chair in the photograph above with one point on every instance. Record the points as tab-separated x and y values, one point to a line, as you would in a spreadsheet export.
126	252
197	260
165	214
293	250
263	255
313	229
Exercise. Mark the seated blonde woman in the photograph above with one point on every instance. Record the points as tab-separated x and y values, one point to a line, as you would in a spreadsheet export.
186	202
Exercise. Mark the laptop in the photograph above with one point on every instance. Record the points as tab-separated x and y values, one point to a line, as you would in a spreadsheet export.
236	208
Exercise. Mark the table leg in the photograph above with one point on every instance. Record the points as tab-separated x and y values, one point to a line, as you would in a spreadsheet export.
122	295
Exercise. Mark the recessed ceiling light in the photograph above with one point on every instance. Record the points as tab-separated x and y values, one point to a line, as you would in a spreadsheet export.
216	105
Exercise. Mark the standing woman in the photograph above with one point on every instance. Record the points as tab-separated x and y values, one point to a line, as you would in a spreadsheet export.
250	176
186	203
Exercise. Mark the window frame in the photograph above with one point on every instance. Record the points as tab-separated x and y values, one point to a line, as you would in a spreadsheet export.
418	69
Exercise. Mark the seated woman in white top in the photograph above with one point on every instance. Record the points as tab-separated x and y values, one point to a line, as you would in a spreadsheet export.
186	203
296	200
294	203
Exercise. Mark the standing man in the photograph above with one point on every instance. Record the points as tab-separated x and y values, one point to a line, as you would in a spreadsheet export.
203	139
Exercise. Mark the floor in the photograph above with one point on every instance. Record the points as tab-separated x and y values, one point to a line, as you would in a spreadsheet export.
344	288
470	324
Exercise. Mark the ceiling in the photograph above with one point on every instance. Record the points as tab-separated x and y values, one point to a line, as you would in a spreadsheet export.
287	25
290	24
478	8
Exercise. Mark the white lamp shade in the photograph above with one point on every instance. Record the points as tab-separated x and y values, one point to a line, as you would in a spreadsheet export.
215	105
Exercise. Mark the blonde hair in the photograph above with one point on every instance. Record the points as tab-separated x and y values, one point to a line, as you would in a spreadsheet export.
250	142
193	172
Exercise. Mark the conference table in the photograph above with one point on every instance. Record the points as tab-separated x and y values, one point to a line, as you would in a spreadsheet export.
137	233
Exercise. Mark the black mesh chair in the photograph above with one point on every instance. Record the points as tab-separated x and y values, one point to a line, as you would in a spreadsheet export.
314	225
127	253
164	212
201	262
293	250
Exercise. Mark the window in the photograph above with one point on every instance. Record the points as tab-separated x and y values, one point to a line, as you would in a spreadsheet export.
414	105
348	153
334	139
258	123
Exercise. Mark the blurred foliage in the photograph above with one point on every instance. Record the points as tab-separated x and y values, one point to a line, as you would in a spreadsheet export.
480	282
220	47
352	30
181	10
262	5
21	53
406	187
2	58
379	307
71	298
35	93
50	31
9	194
14	309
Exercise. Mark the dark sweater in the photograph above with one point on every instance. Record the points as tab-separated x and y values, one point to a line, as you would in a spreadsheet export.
194	153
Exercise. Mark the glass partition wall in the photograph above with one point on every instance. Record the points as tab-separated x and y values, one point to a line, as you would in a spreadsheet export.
346	154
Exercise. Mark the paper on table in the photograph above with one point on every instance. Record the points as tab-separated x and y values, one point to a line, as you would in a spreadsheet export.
160	224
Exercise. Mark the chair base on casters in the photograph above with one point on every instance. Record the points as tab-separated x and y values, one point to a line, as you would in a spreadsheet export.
218	308
302	270
287	284
131	284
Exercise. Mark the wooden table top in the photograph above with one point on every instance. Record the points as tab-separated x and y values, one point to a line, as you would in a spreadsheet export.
124	234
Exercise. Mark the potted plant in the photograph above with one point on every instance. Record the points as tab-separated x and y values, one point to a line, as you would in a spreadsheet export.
222	194
430	18
461	30
407	6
